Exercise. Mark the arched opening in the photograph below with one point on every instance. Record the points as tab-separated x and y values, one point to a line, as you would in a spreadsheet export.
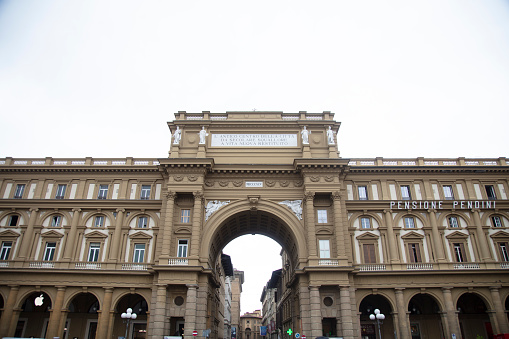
473	318
425	321
1	306
132	328
370	329
82	318
34	317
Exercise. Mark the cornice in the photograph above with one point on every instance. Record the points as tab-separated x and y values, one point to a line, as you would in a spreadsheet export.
80	203
428	169
76	169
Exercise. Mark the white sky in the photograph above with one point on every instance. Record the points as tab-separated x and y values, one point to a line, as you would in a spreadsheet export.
101	78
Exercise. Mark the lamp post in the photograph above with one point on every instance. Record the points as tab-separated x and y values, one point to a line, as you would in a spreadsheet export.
379	317
128	316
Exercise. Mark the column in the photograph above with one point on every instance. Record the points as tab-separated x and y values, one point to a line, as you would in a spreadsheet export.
316	314
159	312
346	312
340	229
404	329
191	304
503	325
310	224
437	239
481	238
104	316
26	243
56	312
117	236
168	228
197	218
452	315
305	309
71	238
7	314
394	258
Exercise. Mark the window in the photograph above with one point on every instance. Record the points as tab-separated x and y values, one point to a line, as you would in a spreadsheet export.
103	192
93	251
20	188
365	223
139	253
60	191
142	222
453	222
369	253
409	222
49	251
502	247
490	192
56	221
185	216
13	220
324	248
5	250
182	249
497	222
405	193
322	216
414	252
448	193
363	193
459	252
99	221
145	192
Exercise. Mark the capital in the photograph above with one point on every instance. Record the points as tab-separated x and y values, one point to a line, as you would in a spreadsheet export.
336	196
171	195
309	196
198	195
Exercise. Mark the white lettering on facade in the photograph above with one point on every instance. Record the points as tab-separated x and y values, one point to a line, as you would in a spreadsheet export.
254	140
413	205
254	183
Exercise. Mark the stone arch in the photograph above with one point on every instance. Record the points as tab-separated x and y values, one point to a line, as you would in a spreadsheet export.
90	215
46	218
32	293
484	298
128	294
22	214
412	213
436	298
281	225
138	304
136	214
367	306
485	220
443	217
366	293
473	308
357	215
69	298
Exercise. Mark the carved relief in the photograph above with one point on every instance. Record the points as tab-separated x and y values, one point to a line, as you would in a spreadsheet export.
209	183
314	178
329	178
213	206
270	183
178	177
223	183
295	206
298	183
192	177
237	183
284	183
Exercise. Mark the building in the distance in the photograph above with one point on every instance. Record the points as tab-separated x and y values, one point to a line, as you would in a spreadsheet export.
236	288
250	323
423	240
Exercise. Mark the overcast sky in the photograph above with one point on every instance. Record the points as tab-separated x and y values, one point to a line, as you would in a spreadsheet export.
405	78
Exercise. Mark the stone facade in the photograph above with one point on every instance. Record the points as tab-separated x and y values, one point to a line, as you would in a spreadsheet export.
423	240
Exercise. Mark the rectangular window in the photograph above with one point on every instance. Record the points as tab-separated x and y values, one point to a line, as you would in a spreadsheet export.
504	255
490	192
497	222
103	192
182	249
459	252
20	188
185	216
369	253
145	192
142	222
322	216
13	220
365	223
409	222
5	250
363	193
139	253
324	248
405	193
56	221
453	222
60	191
99	221
448	193
49	251
93	251
414	252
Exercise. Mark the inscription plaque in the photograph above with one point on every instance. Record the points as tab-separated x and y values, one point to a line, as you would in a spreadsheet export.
254	140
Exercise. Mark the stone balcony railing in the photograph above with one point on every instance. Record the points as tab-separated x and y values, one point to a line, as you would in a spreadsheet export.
427	162
74	162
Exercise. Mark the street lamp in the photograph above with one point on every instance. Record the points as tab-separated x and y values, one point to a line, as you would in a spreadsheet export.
128	316
379	317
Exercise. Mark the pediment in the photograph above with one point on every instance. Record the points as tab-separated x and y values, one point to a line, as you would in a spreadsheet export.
183	230
457	235
323	231
368	236
9	234
500	235
412	235
52	234
96	234
140	235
